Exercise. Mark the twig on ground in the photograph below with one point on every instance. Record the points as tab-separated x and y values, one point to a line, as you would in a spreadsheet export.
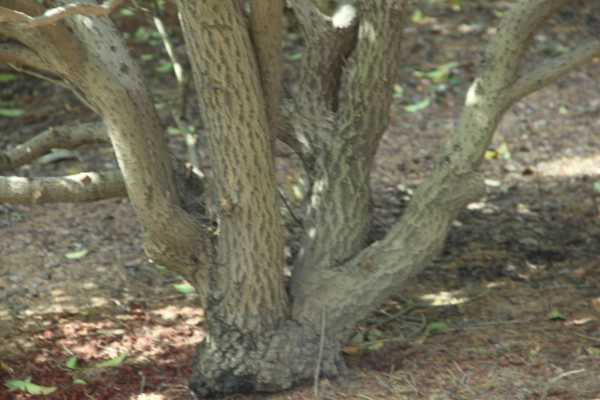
60	137
552	381
320	356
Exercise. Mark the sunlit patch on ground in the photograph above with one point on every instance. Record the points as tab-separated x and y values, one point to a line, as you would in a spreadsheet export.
155	345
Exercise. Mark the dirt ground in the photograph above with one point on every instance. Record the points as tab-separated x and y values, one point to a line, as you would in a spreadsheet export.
510	310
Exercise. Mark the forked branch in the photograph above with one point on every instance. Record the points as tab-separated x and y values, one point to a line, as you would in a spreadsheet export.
350	292
329	40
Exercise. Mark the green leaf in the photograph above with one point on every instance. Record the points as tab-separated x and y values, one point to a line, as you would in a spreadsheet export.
455	4
112	363
556	315
437	327
376	345
8	77
184	288
71	362
173	130
16	384
596	186
11	112
294	56
78	381
164	67
161	268
28	387
417	16
504	152
358	338
77	254
441	73
398	91
126	12
141	34
416	107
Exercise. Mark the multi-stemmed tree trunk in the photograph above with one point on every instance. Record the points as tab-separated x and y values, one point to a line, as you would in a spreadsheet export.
265	333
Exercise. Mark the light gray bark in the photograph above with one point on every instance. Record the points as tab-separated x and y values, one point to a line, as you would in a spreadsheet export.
342	114
85	186
349	292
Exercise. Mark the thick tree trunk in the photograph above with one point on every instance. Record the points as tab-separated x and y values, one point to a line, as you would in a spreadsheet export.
248	303
277	360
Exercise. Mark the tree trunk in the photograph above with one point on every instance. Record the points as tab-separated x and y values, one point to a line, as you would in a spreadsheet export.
260	338
248	304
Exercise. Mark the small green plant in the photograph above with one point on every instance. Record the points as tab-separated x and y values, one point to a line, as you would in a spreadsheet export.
26	386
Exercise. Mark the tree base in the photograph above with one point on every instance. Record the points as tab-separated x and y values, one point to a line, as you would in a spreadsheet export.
237	363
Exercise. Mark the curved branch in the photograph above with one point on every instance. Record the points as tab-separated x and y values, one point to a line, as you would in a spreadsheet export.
54	15
83	187
53	43
348	293
62	137
505	54
551	70
17	54
10	15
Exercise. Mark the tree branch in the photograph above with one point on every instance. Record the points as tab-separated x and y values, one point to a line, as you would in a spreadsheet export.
266	24
344	144
83	187
54	15
366	90
329	40
354	289
63	137
17	54
512	39
551	70
250	241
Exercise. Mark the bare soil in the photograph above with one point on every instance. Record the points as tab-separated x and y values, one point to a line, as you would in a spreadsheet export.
510	310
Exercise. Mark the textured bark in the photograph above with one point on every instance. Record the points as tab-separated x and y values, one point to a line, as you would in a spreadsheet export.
111	82
247	299
351	291
91	57
349	116
246	283
257	340
266	21
275	361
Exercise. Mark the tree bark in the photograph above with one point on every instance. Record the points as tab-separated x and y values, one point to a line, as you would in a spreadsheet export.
343	112
89	54
258	340
247	297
